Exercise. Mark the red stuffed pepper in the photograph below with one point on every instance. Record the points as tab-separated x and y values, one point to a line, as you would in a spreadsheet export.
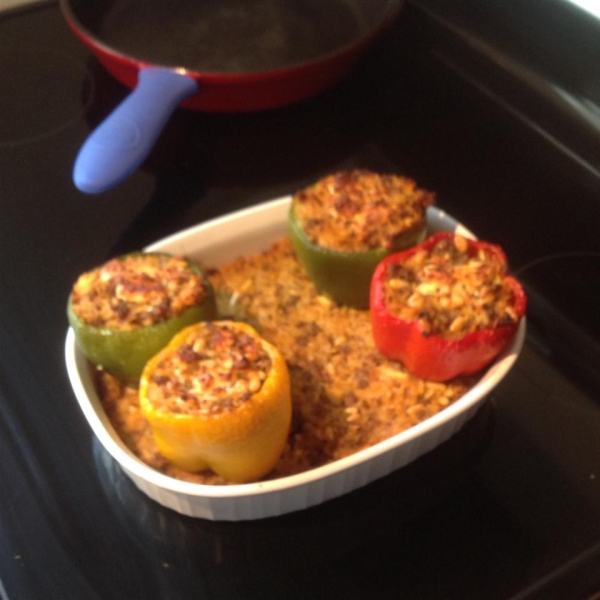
445	307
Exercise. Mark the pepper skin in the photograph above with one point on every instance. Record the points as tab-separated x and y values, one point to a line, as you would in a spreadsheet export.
124	353
344	277
242	444
432	356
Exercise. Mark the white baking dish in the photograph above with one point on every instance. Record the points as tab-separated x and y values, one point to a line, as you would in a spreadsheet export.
222	240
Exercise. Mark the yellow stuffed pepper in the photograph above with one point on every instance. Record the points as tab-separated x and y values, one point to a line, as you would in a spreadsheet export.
218	397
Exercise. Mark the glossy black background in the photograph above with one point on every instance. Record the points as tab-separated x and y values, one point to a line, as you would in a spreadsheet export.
509	508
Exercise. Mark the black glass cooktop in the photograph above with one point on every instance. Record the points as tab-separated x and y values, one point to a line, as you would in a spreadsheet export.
508	508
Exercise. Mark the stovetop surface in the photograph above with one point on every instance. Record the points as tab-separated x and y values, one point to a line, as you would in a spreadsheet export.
507	508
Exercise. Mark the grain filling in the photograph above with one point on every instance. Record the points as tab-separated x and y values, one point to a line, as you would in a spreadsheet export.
449	290
136	291
360	210
215	369
346	396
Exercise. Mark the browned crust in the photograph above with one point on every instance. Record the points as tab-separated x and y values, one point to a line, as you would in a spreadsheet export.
360	210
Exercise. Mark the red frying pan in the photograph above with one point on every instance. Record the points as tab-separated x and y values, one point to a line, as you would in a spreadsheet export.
212	55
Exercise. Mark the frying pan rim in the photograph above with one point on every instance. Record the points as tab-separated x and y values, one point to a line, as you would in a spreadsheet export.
390	10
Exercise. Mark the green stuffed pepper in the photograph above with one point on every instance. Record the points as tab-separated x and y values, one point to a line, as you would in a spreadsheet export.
125	311
345	224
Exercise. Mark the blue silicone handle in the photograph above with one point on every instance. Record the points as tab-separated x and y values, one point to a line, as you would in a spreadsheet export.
124	139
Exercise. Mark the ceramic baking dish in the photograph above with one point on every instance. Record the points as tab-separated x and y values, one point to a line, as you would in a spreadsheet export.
224	239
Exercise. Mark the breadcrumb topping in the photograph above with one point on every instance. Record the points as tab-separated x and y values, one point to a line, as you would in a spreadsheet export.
216	368
360	210
137	290
450	291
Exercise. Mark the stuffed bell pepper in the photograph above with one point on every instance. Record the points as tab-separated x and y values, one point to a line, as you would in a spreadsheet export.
218	397
345	224
126	310
445	307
